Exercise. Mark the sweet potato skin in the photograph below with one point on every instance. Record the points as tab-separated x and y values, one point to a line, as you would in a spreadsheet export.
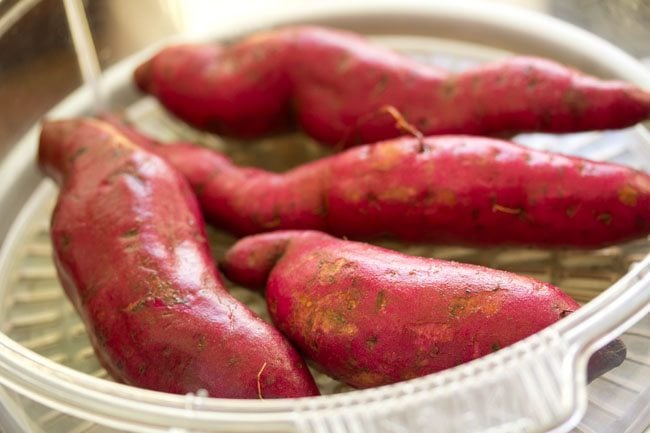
447	189
370	316
223	99
131	252
337	83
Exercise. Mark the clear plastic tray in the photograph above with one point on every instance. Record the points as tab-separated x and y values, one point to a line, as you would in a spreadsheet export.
53	383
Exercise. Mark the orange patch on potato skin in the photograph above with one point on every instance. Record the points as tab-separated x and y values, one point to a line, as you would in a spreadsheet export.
380	301
331	322
398	194
504	209
628	195
368	379
437	332
329	270
446	197
354	195
482	302
386	157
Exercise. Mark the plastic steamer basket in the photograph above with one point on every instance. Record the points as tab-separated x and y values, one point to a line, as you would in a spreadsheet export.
51	381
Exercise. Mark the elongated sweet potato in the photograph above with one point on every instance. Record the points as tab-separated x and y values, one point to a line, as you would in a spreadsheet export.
369	316
336	83
131	253
446	189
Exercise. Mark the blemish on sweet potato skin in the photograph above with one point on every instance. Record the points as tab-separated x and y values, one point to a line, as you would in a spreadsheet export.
391	317
571	210
367	379
475	302
628	195
446	197
380	301
331	322
384	158
507	210
449	88
329	271
605	218
381	85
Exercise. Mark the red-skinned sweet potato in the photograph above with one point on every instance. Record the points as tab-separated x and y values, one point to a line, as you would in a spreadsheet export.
446	189
370	316
336	83
132	255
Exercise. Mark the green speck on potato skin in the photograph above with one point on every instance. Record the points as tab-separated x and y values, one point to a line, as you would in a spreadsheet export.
202	343
77	153
381	85
605	218
371	342
380	301
64	241
130	233
571	211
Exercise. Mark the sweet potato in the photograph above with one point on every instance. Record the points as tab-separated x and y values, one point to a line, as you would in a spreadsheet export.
369	316
131	252
336	83
446	189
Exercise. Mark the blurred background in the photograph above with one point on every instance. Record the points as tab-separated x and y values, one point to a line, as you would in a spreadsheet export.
38	64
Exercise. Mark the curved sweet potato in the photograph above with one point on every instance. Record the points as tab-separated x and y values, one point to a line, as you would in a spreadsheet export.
336	84
131	252
446	189
369	316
